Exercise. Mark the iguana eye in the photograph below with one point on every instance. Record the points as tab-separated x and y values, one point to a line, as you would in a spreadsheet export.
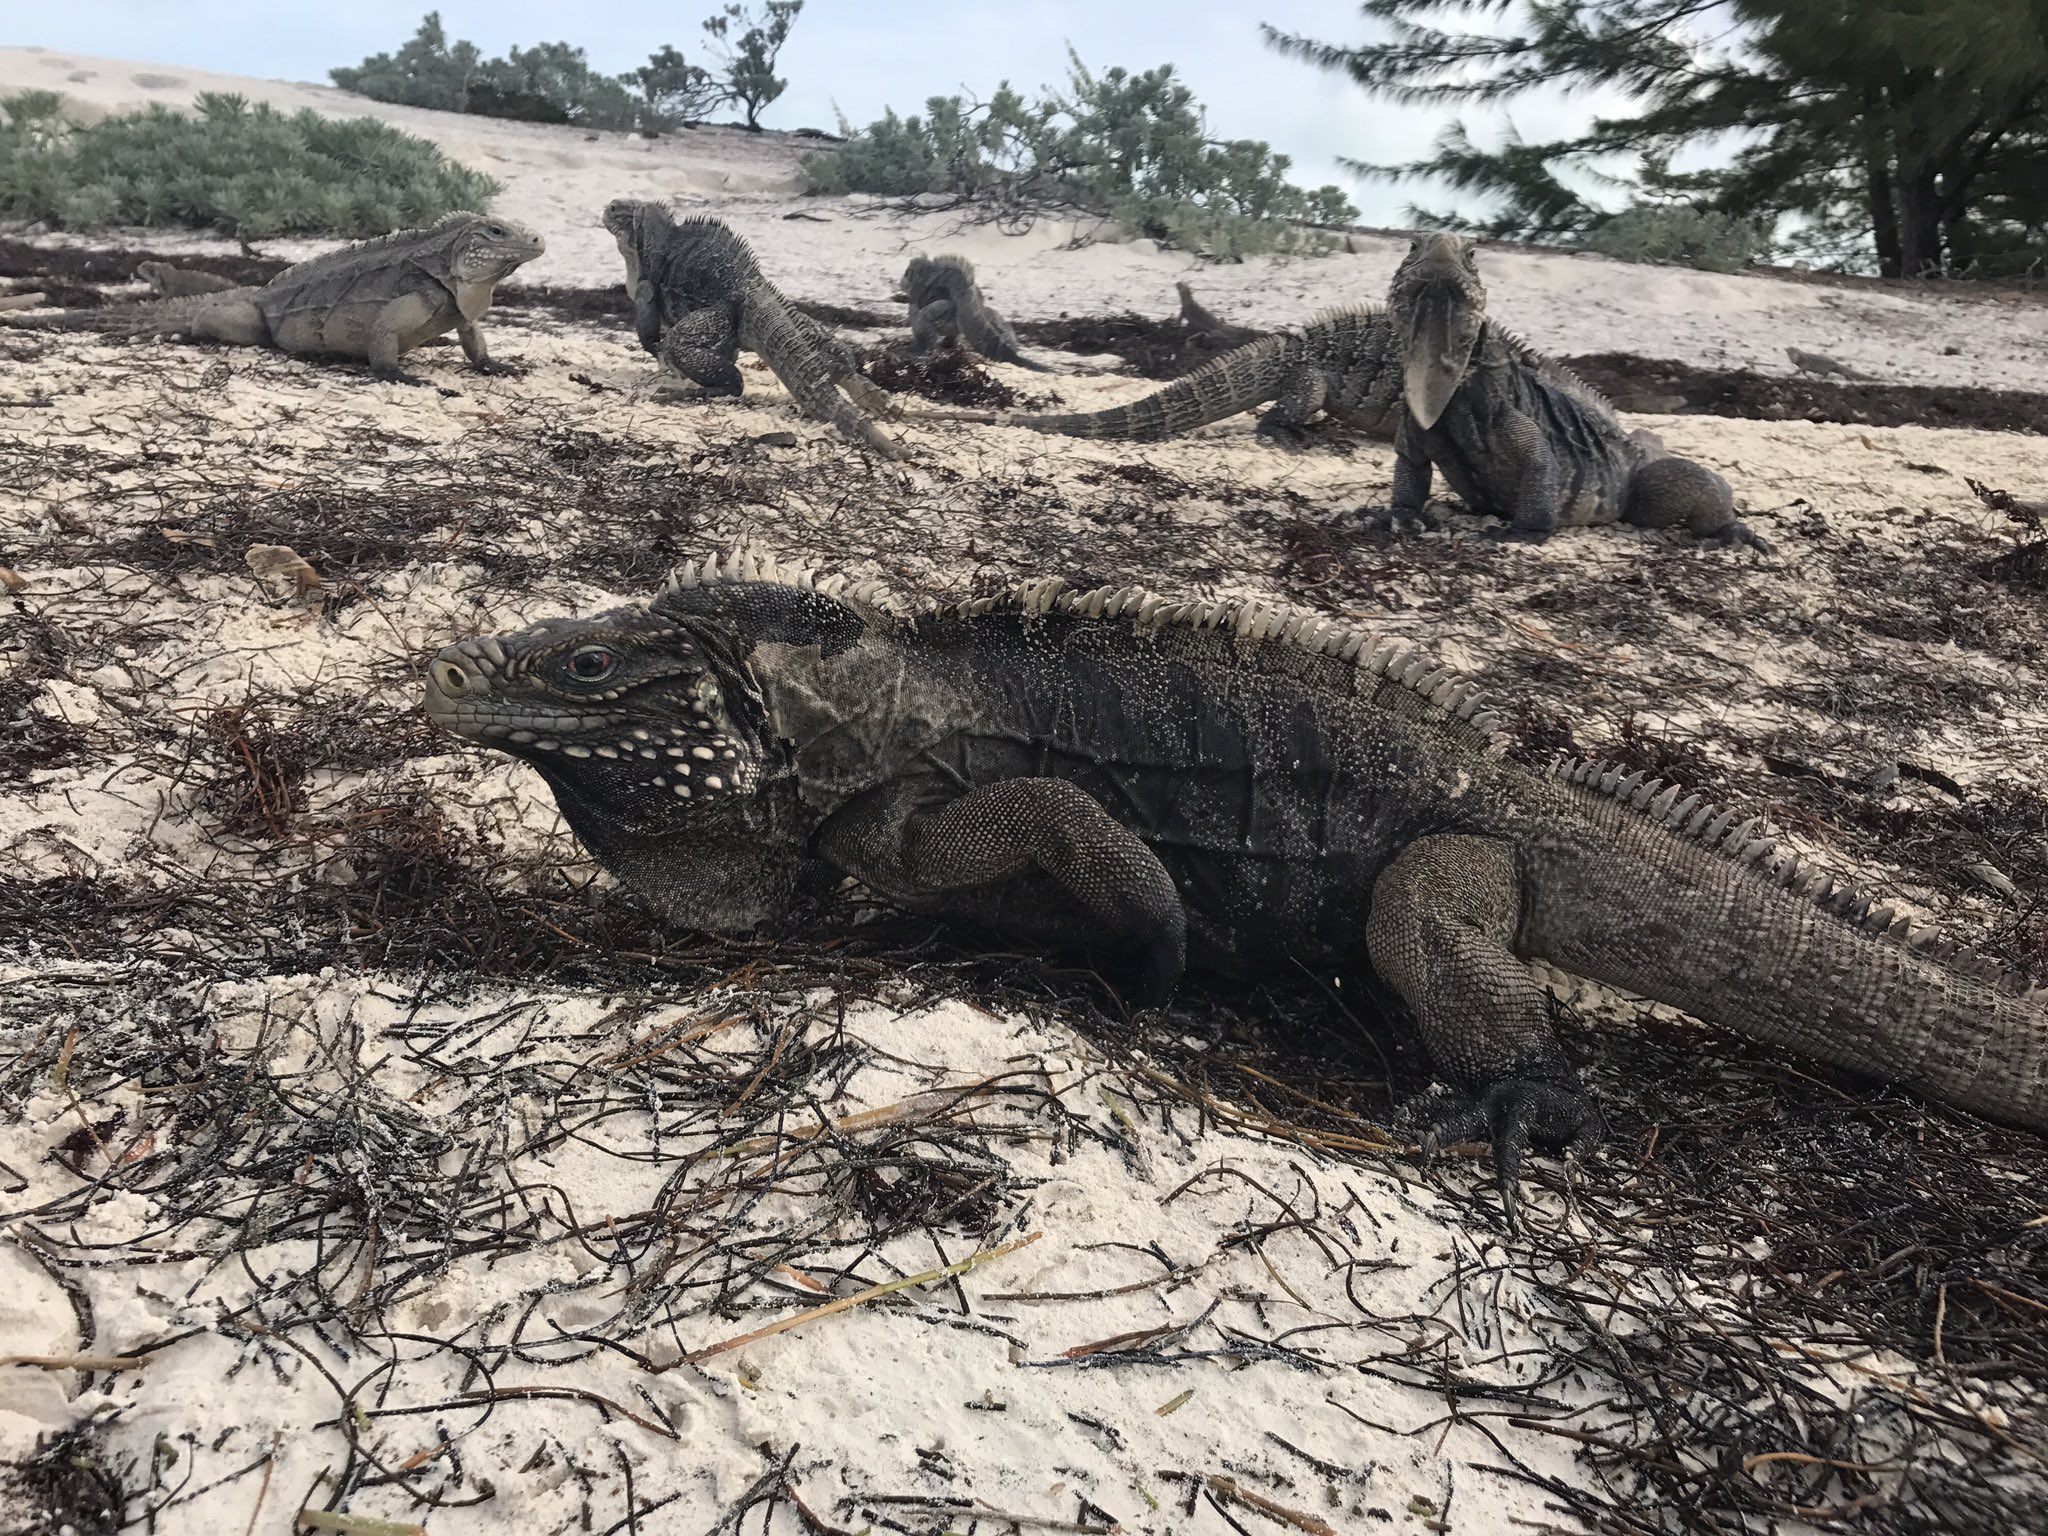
592	664
497	231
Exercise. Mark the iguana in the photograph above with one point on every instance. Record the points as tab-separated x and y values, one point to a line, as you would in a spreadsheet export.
374	301
1519	436
1205	328
1231	784
699	296
946	305
1344	363
181	282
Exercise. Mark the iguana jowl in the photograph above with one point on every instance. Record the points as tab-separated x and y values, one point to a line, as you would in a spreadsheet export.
699	297
373	301
1518	436
946	305
1231	783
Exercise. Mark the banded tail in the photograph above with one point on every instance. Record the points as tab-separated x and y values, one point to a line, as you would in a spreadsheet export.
784	344
1239	380
1783	954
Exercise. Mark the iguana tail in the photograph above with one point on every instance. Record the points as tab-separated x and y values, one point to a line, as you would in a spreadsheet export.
1667	901
1237	381
158	317
779	336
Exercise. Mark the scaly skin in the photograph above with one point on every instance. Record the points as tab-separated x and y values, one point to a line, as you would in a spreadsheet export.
373	301
1518	436
1242	786
1345	364
946	305
699	297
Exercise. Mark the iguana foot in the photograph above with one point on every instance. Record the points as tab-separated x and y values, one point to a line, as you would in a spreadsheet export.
1399	520
1737	535
1514	535
1511	1113
495	368
398	376
1283	434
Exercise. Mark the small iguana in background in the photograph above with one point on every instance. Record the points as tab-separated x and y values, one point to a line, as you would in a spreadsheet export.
699	296
1207	328
181	282
1345	364
946	305
1237	785
373	301
1518	436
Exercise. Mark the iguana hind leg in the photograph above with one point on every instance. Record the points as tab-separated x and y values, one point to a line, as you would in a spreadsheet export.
1677	493
976	856
1301	395
237	322
703	346
1440	933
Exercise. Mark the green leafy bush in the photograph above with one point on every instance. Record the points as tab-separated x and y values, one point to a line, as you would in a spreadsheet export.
1130	147
554	83
1680	236
252	171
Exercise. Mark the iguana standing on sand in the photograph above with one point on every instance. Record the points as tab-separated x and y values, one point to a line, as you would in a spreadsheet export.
699	297
1240	785
373	301
1519	436
1345	364
946	305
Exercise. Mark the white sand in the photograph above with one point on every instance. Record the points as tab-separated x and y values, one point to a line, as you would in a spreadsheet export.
127	448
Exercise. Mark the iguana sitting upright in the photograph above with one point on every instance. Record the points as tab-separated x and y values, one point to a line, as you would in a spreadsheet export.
1345	363
699	297
1519	436
373	301
946	305
1229	783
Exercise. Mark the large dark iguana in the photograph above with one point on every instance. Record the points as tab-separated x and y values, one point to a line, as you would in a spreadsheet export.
1346	364
699	296
1519	436
1228	783
373	301
946	305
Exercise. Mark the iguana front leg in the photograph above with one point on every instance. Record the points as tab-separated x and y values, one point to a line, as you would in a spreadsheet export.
647	316
703	346
931	324
1440	932
1301	395
1039	858
1413	476
471	335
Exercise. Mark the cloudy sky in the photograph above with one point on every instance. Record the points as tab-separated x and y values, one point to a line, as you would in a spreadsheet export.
850	56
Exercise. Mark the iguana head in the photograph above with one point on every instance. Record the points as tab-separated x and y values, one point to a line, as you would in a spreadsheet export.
487	249
654	738
1440	305
636	225
929	277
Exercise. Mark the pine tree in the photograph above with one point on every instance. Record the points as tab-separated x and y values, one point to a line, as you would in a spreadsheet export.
1912	131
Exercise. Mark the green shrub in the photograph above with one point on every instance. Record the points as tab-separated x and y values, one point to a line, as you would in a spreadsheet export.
1677	235
1133	148
554	83
252	171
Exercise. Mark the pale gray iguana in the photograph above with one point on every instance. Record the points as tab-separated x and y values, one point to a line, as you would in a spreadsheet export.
699	296
946	305
1519	436
373	301
1230	784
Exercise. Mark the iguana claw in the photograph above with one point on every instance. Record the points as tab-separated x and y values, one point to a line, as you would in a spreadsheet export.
492	367
1510	1113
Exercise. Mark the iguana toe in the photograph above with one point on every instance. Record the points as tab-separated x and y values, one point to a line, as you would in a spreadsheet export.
496	368
1512	1113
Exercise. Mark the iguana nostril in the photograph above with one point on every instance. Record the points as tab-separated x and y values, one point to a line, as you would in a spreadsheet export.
450	677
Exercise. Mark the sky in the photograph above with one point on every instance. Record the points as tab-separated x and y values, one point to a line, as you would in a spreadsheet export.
855	57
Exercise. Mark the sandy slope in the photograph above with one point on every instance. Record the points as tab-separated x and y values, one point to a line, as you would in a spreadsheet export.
845	252
558	1185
